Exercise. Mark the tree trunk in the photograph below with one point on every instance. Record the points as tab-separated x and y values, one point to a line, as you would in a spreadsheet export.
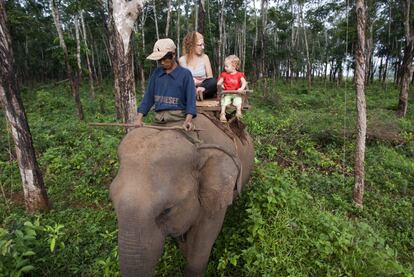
308	61
78	49
381	68
123	16
201	16
244	38
186	8
263	11
361	106
88	62
406	68
142	19
155	19
167	25
98	72
178	28
35	195
384	73
369	52
221	38
73	77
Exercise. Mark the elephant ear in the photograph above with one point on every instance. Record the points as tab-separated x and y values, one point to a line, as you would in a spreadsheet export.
220	175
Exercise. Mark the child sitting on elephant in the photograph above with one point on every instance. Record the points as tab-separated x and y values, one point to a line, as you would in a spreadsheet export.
231	79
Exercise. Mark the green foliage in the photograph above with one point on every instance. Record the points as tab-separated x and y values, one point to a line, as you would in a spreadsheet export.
295	218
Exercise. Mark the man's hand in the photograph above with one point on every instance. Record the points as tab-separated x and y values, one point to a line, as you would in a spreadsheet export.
138	120
188	123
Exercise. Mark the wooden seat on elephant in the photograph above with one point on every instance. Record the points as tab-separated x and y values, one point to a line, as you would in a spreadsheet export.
214	104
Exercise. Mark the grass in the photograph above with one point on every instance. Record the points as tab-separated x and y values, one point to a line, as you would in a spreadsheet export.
296	218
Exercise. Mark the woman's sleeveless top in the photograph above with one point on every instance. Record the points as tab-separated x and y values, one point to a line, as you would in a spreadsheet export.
198	72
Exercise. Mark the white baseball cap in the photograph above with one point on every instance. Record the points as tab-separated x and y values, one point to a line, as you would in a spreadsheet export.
161	48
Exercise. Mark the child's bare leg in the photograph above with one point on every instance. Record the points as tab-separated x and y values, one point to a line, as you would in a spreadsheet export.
200	93
223	114
238	111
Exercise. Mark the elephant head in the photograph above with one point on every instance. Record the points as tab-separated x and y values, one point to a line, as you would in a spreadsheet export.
166	185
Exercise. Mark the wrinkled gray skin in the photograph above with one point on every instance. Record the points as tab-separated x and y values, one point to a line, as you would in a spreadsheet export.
166	186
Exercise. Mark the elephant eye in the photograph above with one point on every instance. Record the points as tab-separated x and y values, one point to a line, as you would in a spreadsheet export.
165	212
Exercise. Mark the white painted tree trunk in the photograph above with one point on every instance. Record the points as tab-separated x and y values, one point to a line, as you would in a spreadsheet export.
35	195
123	17
360	67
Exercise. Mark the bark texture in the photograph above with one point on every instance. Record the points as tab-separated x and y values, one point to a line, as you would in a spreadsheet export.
221	39
201	16
35	195
406	67
123	16
167	24
361	106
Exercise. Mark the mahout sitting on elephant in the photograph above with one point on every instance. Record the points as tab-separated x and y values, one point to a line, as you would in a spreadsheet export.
173	183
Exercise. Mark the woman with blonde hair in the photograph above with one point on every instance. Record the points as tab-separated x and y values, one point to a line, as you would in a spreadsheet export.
199	64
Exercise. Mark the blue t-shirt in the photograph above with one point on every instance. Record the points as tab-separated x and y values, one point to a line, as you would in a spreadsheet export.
172	91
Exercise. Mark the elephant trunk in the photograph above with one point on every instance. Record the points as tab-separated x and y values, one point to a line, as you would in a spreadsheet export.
140	242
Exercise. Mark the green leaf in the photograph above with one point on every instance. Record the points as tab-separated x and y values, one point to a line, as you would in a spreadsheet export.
52	244
28	253
27	268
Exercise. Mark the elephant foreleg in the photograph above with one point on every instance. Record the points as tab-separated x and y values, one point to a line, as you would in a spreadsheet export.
199	241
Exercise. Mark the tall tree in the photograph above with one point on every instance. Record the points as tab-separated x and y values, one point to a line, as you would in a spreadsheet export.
72	76
360	68
78	48
308	61
201	16
155	19
263	25
406	68
221	38
87	54
167	24
35	195
123	15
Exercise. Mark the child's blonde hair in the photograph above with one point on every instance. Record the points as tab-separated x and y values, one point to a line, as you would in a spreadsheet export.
234	60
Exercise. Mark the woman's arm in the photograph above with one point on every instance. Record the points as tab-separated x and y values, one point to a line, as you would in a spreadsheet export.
209	71
181	61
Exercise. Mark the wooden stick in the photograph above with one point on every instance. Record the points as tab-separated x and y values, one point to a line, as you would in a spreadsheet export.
242	92
135	126
238	91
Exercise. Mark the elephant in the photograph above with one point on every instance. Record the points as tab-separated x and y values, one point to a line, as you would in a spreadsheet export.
172	184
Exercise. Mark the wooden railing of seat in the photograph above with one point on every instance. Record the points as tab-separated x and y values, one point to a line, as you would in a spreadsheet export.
214	104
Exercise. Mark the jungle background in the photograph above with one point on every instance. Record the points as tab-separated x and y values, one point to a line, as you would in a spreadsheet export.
296	217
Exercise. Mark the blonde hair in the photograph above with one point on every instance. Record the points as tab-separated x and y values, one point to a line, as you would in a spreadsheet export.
234	60
189	45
